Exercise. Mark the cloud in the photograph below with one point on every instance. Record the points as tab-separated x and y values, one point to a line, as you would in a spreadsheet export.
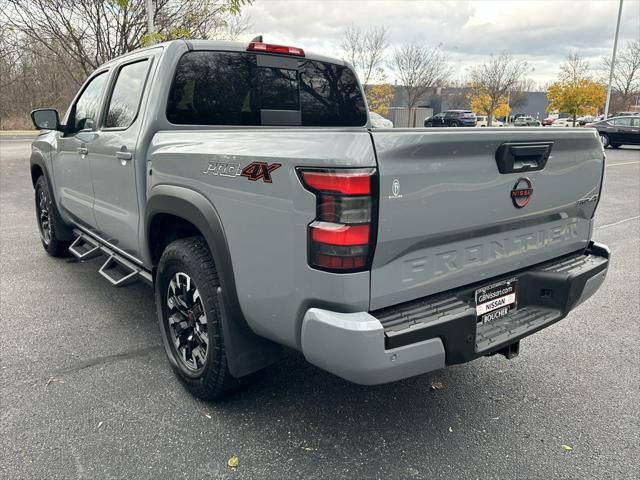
541	32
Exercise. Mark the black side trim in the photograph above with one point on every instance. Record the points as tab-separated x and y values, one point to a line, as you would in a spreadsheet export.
246	351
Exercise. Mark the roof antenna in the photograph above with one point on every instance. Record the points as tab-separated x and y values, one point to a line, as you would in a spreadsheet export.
257	39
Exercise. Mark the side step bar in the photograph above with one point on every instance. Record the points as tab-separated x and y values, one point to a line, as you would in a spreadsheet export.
118	270
84	247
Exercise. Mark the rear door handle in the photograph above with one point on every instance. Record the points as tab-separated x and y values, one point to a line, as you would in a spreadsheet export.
123	155
82	150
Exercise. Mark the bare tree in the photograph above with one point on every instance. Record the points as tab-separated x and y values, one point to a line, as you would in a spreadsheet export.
626	75
574	68
365	49
94	31
497	77
418	68
231	26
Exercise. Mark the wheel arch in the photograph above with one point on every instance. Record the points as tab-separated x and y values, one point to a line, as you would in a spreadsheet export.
38	168
194	214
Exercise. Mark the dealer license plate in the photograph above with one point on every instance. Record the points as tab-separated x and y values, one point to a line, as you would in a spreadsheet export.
496	300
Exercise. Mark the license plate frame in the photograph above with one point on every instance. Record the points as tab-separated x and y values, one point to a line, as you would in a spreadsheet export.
496	300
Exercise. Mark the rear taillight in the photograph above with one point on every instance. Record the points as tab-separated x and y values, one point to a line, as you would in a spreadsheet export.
342	236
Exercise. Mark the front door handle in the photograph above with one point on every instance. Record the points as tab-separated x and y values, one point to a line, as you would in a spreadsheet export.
123	156
82	150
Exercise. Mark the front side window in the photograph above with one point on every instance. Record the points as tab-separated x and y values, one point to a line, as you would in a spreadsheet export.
229	88
86	108
123	105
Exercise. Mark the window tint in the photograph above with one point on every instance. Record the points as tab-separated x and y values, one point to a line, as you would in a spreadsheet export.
214	88
635	122
123	106
86	108
228	88
622	122
330	96
278	89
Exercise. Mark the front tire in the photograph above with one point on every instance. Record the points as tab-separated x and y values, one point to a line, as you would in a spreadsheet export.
455	124
49	223
190	318
616	145
428	124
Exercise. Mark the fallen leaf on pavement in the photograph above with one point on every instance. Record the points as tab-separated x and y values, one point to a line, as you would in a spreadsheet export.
207	415
568	448
450	429
100	424
436	385
233	462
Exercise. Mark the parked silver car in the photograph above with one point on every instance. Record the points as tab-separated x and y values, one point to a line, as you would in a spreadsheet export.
378	121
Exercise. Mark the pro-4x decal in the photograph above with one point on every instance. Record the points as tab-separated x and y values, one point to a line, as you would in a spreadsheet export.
254	171
259	170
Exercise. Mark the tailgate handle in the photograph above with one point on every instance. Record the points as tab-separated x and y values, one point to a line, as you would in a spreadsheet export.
516	157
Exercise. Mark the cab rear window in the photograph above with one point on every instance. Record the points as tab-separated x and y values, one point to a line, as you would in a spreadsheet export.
231	88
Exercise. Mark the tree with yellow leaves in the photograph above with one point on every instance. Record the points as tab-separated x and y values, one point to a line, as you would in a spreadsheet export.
379	97
575	93
495	79
481	104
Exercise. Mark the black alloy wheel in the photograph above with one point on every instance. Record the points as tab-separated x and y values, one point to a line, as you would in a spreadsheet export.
187	322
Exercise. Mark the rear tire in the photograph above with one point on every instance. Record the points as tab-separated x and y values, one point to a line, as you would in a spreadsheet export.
455	124
604	138
428	124
190	318
49	223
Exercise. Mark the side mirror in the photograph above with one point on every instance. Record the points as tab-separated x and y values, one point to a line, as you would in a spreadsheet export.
46	119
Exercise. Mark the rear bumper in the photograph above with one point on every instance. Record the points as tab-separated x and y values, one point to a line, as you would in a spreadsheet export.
429	333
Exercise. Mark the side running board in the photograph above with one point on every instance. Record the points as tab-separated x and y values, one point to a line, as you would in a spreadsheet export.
84	247
118	270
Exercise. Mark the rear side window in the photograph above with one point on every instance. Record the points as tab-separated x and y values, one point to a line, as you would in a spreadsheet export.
230	88
123	105
622	122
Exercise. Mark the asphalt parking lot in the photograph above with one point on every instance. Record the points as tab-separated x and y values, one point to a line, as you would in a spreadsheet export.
86	392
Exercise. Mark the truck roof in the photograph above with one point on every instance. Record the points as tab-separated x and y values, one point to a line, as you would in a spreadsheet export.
225	46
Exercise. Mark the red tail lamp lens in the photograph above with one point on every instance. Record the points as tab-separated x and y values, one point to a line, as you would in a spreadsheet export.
341	236
338	234
347	183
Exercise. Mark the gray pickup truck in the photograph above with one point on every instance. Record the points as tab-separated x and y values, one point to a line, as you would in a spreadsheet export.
245	184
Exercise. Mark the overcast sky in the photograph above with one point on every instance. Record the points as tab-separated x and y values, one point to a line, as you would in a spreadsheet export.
542	32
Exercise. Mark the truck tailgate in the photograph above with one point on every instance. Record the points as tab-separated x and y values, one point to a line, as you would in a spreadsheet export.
447	214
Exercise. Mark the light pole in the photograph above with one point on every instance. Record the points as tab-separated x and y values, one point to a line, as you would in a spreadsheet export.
613	62
150	27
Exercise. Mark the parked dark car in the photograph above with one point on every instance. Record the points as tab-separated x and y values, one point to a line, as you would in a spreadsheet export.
452	118
618	131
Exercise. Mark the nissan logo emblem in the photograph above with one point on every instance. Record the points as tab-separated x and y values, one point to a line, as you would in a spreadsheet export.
521	192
